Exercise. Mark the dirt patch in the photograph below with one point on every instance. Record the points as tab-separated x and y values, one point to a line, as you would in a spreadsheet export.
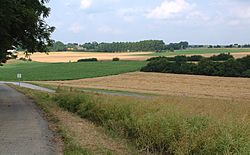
167	84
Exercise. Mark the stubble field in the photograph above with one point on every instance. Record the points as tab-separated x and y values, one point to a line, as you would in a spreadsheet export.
53	57
166	84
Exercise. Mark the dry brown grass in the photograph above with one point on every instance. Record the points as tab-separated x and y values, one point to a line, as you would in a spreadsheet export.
90	136
167	84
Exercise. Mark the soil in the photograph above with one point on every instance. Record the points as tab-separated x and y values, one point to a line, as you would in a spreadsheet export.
166	84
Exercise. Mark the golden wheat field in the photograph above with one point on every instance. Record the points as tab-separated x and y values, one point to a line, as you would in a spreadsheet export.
74	56
167	84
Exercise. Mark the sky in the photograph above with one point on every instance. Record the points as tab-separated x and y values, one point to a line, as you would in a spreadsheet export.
205	22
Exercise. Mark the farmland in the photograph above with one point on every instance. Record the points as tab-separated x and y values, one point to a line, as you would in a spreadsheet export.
204	52
166	84
193	115
132	56
32	71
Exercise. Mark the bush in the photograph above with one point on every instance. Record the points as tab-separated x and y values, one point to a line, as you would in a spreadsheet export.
116	59
23	59
221	57
195	58
87	60
206	66
3	61
156	58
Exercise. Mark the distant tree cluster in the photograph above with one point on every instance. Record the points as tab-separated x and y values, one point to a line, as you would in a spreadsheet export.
146	45
207	66
176	46
246	46
90	46
58	46
220	57
222	46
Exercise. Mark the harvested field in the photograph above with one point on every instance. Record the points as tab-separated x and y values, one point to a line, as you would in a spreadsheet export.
167	84
74	56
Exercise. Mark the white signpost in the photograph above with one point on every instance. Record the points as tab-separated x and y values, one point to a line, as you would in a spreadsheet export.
19	76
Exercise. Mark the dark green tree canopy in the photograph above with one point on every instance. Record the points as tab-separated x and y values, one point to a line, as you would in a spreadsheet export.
22	24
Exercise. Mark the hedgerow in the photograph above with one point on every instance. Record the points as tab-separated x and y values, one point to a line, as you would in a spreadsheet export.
206	66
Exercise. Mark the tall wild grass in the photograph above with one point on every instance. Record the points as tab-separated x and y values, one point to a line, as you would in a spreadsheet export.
168	125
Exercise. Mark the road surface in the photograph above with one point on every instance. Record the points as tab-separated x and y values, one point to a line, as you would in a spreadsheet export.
23	129
27	85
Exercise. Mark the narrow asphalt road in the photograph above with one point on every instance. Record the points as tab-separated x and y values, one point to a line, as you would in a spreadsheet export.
23	129
27	85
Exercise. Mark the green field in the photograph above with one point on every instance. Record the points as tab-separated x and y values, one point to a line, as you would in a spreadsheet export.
199	51
37	71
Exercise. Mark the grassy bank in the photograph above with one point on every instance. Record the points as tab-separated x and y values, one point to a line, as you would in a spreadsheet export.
168	124
80	136
37	71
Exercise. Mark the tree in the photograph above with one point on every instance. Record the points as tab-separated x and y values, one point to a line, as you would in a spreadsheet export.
58	46
22	25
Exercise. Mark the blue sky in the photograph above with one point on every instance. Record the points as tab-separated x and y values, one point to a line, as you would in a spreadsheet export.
195	21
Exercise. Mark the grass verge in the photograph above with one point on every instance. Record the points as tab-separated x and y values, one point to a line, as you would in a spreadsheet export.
66	88
167	125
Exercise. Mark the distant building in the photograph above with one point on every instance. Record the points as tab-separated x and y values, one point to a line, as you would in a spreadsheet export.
81	48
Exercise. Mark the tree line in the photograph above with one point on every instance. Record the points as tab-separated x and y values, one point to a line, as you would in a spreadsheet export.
227	66
146	45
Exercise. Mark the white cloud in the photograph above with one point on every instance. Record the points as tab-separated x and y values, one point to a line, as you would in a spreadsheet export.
104	29
107	29
76	27
118	32
129	14
113	1
234	23
197	15
170	9
67	4
85	4
243	12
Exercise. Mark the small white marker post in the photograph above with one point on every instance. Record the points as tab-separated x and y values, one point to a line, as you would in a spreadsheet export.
19	76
